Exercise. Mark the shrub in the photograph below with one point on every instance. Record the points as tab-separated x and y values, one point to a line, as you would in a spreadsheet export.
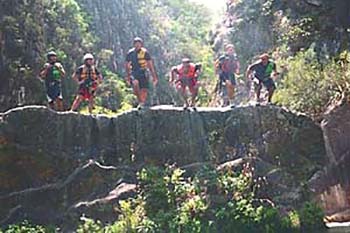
310	86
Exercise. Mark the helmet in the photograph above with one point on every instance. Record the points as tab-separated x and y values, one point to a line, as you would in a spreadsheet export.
229	46
186	60
51	54
138	39
88	56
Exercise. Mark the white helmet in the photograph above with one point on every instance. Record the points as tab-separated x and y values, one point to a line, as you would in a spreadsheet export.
88	56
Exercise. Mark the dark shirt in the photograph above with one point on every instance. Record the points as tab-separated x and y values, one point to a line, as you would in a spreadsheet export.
263	72
138	59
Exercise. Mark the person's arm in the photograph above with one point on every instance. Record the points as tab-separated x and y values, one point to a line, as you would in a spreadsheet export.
99	76
238	67
76	76
60	69
153	72
150	65
43	72
198	69
128	72
128	66
173	74
217	66
248	72
275	73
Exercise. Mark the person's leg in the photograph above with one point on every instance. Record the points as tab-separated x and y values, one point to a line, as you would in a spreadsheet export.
270	86
77	102
230	90
271	92
59	104
258	87
136	89
181	90
91	104
58	97
50	95
184	96
52	105
143	96
233	87
224	94
143	86
194	92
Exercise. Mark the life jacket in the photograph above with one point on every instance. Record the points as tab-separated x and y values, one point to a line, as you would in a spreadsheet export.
191	73
141	58
85	73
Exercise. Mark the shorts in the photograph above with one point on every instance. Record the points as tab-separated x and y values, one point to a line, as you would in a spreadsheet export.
142	77
227	76
268	83
87	92
53	91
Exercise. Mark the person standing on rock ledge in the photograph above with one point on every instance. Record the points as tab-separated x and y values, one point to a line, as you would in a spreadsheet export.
227	67
52	73
138	62
186	75
88	78
263	71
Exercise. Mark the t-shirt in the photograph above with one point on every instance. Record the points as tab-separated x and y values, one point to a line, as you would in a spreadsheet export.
262	71
138	59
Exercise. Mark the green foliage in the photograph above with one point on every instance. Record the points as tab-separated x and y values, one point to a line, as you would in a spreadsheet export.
311	216
308	86
208	202
26	227
113	93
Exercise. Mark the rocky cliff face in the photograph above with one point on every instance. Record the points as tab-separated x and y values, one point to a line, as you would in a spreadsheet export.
332	184
48	159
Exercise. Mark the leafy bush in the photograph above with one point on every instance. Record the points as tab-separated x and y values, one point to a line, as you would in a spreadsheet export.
26	227
311	218
310	86
209	202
